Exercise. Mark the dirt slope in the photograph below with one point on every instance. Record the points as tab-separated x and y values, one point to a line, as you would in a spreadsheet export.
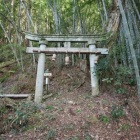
71	113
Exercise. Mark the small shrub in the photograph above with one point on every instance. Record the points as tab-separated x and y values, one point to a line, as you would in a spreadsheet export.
51	134
123	71
50	117
117	112
49	107
21	116
87	137
124	127
132	81
118	83
120	90
108	80
104	118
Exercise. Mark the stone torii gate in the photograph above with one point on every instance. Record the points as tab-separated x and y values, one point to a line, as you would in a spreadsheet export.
66	39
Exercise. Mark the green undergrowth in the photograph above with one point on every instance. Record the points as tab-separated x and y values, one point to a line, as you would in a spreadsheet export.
20	117
4	77
118	78
115	114
123	127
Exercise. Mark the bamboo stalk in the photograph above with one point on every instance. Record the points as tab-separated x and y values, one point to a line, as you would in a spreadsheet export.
127	32
137	11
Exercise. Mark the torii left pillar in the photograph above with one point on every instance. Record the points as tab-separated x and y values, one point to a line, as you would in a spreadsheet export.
40	73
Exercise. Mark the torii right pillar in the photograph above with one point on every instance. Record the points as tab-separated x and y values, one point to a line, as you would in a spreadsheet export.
94	78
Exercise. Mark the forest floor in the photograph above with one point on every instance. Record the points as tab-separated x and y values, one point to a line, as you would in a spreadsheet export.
70	113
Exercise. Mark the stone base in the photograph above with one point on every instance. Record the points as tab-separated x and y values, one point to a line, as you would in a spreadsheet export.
95	91
38	99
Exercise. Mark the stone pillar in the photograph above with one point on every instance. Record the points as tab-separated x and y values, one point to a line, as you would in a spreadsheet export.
94	79
40	73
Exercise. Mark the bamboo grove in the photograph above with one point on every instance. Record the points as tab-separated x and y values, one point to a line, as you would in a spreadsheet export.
121	18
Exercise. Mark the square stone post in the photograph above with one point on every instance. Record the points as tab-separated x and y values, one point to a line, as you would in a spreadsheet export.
40	73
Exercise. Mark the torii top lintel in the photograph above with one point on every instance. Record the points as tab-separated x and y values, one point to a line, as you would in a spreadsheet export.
66	38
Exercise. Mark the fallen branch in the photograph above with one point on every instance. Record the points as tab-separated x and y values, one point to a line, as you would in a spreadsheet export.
70	76
14	95
47	96
7	64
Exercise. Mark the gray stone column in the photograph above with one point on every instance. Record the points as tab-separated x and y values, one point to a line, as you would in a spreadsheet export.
40	73
94	79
